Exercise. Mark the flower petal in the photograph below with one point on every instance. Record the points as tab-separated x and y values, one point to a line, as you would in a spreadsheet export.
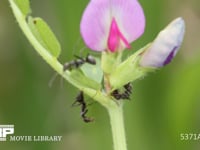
165	46
115	38
97	18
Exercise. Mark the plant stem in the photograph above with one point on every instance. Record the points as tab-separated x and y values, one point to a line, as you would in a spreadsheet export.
117	125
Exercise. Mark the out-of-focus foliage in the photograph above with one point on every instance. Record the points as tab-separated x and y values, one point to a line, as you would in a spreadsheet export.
164	104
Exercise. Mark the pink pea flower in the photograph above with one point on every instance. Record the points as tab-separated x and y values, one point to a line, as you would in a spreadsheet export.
112	24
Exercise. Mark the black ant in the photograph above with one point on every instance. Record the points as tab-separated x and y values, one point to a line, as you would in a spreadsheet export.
78	62
124	95
80	100
128	88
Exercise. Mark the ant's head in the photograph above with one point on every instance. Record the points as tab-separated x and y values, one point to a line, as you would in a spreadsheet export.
90	59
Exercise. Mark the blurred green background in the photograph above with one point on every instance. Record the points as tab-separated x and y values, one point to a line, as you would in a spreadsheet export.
164	104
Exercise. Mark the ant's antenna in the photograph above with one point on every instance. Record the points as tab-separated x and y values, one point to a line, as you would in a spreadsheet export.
78	57
81	50
76	45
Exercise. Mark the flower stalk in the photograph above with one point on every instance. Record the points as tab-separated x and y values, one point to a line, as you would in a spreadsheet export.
117	125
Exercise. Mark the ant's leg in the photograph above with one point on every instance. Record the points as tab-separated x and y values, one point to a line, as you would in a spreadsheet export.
87	119
84	112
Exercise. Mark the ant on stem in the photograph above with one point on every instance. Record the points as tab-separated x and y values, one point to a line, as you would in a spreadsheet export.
78	62
80	101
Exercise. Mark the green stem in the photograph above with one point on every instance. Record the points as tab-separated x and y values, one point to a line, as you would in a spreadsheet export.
117	124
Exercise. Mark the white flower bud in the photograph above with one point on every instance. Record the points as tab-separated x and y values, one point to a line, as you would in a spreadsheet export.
165	46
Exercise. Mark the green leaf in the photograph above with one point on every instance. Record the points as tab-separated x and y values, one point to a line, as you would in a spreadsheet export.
93	72
24	6
84	81
44	35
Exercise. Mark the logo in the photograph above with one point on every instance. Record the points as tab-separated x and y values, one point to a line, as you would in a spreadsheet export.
6	130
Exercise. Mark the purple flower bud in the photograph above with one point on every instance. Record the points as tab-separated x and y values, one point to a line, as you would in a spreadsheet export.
165	46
